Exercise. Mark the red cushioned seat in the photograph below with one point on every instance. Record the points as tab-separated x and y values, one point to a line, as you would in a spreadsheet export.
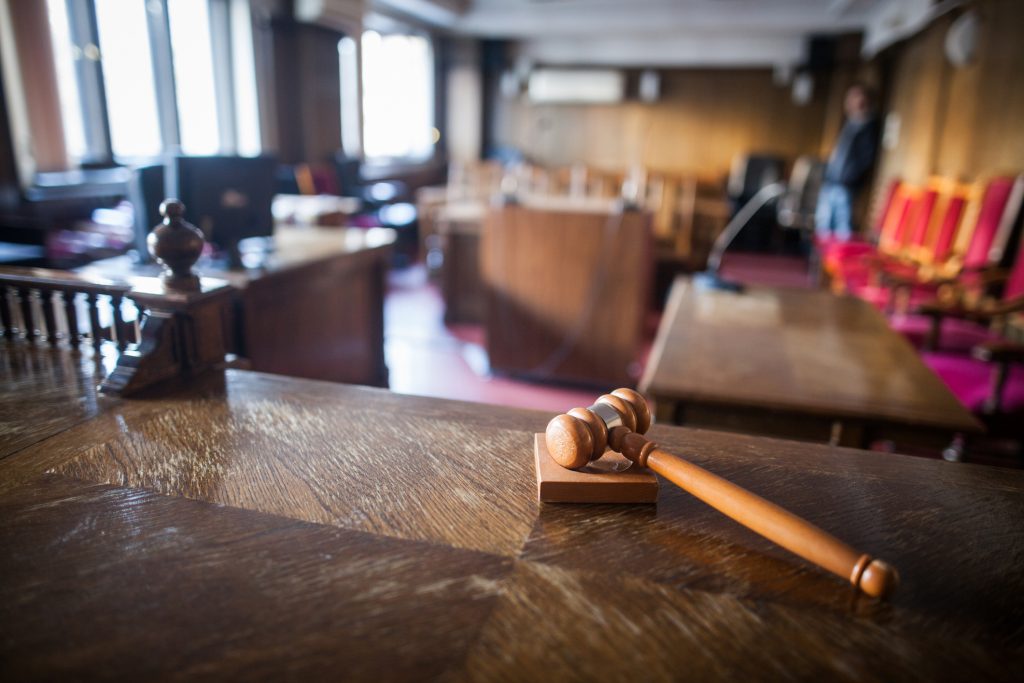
970	381
955	334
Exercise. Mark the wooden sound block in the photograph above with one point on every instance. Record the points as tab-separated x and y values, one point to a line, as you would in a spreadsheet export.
606	480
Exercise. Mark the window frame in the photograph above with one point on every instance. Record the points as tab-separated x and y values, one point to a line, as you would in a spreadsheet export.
388	163
92	105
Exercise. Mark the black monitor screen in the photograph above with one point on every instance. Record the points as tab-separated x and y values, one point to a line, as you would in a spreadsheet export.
228	198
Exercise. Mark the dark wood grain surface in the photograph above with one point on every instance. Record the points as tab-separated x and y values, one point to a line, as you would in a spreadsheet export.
798	354
270	527
44	391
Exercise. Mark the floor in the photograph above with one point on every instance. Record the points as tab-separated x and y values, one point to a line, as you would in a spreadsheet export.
427	358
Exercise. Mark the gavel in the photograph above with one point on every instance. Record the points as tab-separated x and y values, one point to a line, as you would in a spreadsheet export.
617	421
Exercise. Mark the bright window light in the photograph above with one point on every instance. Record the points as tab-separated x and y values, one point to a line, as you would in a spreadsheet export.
128	78
65	53
193	76
398	97
349	68
247	114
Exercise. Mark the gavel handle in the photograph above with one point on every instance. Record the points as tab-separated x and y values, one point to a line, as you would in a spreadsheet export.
874	577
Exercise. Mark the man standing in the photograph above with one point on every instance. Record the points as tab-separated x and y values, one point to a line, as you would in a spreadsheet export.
848	166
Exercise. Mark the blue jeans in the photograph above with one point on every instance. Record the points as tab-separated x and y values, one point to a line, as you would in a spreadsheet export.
832	217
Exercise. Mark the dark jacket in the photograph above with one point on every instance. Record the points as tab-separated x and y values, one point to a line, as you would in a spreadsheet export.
854	153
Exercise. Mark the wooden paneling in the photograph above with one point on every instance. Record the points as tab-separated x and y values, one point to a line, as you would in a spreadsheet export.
704	118
31	26
268	527
983	132
917	97
307	86
959	122
566	291
323	320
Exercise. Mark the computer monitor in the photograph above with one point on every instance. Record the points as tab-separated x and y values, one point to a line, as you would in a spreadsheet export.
228	198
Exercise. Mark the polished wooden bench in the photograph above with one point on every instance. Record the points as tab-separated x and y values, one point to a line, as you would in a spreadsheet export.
259	526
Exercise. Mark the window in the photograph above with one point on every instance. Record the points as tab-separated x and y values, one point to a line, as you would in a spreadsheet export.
398	97
351	137
128	78
138	78
196	95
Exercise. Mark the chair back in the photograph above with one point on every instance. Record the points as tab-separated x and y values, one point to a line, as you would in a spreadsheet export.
937	221
920	221
949	223
1015	283
796	208
894	226
994	204
881	209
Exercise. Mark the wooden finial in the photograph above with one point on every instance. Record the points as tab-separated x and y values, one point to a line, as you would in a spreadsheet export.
618	419
176	244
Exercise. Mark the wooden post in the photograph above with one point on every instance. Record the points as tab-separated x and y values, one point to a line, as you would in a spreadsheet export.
184	331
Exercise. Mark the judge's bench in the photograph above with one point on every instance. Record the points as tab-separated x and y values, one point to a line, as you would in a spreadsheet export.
225	523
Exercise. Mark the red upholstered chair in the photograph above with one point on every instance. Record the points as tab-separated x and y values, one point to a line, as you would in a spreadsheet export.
861	277
960	323
933	229
989	382
831	249
890	233
962	317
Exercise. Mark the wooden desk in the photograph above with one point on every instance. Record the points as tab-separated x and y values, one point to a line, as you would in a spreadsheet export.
459	225
795	363
314	306
567	290
267	527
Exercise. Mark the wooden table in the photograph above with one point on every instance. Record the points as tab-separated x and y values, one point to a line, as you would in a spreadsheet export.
263	527
567	285
312	307
795	363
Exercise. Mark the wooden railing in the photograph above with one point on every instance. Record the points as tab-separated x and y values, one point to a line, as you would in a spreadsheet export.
152	332
176	324
47	305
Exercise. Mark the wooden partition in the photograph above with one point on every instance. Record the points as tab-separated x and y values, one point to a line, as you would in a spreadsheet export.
566	290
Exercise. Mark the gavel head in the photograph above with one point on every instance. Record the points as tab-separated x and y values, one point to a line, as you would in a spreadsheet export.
581	435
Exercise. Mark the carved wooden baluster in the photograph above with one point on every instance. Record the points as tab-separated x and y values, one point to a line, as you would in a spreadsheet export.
140	316
119	326
94	320
28	320
71	317
5	312
49	315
